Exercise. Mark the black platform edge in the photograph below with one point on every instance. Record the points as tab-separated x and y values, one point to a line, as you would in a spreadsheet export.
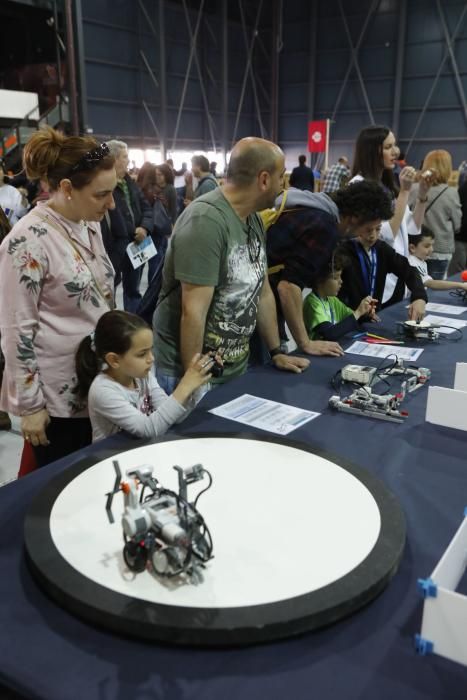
204	626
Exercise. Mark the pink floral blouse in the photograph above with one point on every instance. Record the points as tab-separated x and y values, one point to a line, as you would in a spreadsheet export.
49	301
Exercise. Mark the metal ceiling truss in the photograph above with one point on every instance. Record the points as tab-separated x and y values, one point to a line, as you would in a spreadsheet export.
449	53
264	97
353	63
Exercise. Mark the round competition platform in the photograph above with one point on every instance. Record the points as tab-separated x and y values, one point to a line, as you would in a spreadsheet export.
301	539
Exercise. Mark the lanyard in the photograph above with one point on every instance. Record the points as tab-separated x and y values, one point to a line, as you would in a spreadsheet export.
369	267
327	308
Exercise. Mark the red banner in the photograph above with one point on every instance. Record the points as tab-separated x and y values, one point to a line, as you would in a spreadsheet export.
317	136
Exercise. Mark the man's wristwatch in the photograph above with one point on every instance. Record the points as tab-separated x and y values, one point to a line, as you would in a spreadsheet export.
276	351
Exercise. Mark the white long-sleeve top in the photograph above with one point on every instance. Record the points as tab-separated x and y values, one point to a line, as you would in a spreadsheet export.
144	412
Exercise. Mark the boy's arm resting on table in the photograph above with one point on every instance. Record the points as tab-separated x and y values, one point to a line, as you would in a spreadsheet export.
445	284
335	331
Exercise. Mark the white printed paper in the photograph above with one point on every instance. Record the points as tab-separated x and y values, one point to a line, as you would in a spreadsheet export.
445	309
261	413
139	253
448	325
377	350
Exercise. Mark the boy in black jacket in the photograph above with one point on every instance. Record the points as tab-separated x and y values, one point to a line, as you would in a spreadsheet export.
370	261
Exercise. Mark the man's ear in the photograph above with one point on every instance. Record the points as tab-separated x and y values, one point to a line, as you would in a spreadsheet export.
112	359
264	180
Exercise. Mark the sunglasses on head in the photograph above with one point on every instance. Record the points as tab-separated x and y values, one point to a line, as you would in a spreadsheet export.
91	158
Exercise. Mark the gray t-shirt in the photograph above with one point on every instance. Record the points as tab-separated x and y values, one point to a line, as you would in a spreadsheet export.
205	185
144	412
211	246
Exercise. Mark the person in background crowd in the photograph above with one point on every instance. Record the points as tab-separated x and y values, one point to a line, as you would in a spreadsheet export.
336	176
166	191
212	168
115	239
459	259
302	177
462	173
215	288
12	200
182	171
156	183
5	228
137	216
375	157
57	281
206	180
443	213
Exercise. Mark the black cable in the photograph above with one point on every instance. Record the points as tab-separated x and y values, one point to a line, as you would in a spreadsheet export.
205	489
459	294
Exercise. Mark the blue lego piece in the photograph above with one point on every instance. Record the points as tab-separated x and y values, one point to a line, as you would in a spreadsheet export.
423	646
427	587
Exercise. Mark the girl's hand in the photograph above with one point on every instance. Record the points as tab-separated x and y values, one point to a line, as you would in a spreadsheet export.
197	374
33	428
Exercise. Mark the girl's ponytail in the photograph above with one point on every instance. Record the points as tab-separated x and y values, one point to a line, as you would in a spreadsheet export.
87	366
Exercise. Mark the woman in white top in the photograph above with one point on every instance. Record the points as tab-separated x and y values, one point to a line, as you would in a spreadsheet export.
374	159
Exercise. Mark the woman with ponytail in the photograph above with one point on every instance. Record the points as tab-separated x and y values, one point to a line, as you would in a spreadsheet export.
114	369
57	281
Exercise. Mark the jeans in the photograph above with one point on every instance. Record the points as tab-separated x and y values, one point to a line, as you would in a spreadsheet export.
166	382
169	384
437	268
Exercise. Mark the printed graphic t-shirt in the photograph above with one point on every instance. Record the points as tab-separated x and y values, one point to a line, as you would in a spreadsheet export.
211	246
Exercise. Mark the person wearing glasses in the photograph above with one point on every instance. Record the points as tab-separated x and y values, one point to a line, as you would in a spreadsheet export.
56	282
215	289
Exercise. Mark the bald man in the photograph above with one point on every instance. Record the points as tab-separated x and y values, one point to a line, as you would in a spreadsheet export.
215	289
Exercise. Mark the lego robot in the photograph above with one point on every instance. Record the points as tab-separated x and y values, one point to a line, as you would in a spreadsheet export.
162	527
363	401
